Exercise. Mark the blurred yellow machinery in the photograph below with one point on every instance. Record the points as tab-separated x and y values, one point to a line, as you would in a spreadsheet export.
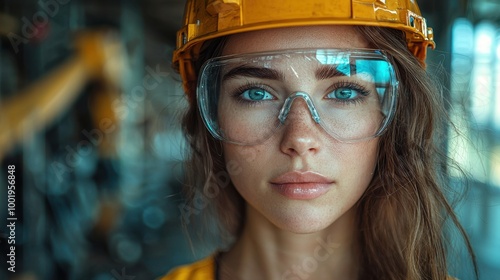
98	56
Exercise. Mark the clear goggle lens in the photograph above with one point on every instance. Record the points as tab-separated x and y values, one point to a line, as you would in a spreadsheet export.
245	99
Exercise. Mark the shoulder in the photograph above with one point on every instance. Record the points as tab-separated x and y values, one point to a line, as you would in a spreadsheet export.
201	270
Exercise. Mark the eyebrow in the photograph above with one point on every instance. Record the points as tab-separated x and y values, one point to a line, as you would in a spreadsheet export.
255	72
327	72
322	73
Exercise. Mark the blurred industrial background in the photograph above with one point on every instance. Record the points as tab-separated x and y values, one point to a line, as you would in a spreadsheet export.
98	150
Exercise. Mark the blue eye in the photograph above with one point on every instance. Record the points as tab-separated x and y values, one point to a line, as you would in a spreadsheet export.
343	93
256	94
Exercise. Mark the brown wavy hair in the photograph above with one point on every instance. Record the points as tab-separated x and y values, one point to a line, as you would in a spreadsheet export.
404	211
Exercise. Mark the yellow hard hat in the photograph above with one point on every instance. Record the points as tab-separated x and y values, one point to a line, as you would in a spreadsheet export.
208	19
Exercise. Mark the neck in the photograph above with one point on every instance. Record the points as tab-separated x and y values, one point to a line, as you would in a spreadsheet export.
264	249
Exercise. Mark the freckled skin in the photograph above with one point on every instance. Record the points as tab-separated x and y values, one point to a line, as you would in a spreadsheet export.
301	145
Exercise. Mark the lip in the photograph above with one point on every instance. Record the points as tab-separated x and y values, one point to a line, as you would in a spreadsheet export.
301	185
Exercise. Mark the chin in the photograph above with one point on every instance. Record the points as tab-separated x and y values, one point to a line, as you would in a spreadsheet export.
303	222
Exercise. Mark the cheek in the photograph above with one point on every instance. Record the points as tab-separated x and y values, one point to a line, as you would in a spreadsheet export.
360	157
359	161
365	153
241	155
245	165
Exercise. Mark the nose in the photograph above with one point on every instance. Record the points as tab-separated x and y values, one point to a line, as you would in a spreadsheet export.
301	134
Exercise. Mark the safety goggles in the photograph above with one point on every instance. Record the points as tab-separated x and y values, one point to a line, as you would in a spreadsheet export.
245	99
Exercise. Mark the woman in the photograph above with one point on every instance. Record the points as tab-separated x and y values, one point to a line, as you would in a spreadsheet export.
313	130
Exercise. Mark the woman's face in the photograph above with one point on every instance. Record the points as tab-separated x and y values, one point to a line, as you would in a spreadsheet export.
302	180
